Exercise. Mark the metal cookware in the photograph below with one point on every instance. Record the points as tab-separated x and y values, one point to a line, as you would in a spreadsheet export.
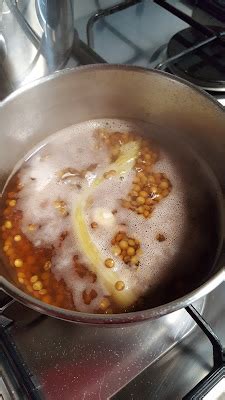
109	91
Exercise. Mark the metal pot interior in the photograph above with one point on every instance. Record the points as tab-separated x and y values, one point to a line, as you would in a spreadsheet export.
30	115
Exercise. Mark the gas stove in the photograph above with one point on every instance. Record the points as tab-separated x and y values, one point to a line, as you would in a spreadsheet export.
46	358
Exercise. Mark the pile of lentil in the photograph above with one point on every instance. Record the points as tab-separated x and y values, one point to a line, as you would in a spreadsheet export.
148	187
31	266
106	304
127	248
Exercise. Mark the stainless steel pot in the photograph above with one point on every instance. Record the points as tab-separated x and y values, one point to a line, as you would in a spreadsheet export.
100	91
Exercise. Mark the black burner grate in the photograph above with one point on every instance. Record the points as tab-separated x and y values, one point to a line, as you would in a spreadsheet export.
196	53
205	66
218	371
214	7
19	383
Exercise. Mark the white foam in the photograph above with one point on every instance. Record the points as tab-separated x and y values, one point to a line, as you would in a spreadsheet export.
76	147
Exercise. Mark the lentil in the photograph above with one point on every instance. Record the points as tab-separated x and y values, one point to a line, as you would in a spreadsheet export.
18	263
109	263
34	279
130	251
104	304
8	224
119	285
12	203
143	193
134	260
116	250
123	244
37	285
32	227
17	238
140	200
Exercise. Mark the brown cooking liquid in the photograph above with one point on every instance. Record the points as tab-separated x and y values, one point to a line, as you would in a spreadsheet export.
32	266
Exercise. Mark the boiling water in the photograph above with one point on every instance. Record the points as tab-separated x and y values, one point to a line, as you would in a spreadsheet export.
178	217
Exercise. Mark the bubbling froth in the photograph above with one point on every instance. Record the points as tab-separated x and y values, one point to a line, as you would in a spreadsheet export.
63	168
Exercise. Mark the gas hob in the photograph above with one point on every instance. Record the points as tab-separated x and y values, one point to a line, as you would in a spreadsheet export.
45	358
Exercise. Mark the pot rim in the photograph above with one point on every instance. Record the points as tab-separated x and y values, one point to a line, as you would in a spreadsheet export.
125	67
112	319
121	318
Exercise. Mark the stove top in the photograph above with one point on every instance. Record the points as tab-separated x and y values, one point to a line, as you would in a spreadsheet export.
69	361
205	66
46	358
